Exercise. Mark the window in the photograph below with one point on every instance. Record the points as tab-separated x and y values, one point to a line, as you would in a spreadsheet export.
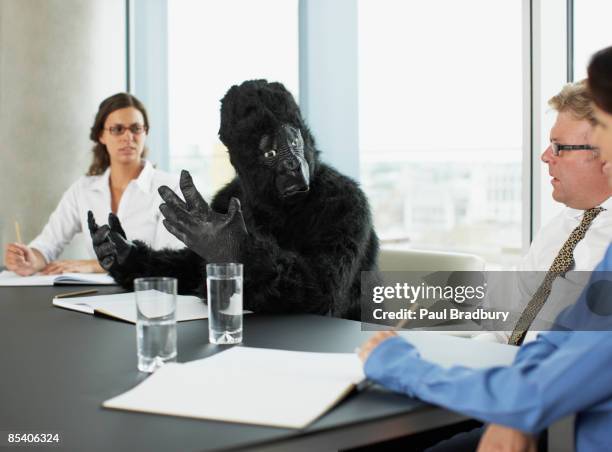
592	32
212	46
451	98
440	120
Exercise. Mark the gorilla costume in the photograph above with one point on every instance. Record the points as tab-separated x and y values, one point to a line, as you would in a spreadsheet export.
302	230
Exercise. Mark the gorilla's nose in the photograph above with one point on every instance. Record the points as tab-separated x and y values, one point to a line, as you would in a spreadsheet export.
290	164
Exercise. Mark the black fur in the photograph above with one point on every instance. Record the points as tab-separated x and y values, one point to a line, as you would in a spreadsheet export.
304	255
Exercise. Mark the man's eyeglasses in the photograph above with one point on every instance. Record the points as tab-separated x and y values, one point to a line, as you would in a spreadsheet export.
557	148
119	129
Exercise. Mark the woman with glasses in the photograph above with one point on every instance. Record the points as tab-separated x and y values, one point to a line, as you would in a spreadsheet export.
119	180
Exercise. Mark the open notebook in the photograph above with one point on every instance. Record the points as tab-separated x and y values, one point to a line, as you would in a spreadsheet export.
122	306
285	389
8	278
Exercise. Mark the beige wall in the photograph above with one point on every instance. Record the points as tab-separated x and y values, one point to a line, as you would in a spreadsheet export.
58	60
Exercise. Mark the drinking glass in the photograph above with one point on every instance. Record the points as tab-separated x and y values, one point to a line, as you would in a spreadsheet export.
224	287
155	322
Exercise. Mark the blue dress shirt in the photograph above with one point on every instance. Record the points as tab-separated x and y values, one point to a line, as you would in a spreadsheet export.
561	373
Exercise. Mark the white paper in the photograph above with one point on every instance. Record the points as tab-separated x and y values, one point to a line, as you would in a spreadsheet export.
449	351
123	306
248	385
8	278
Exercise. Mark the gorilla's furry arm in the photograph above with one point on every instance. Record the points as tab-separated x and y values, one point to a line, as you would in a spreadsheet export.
126	260
183	264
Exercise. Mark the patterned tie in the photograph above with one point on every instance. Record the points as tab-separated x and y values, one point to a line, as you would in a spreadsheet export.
562	264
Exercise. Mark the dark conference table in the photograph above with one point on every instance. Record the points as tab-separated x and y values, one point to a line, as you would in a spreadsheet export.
58	366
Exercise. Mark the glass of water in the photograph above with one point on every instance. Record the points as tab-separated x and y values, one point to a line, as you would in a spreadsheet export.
155	322
224	287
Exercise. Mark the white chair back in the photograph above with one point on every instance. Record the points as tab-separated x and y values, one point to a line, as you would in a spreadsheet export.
390	259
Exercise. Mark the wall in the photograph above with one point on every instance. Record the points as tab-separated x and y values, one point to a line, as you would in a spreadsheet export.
58	60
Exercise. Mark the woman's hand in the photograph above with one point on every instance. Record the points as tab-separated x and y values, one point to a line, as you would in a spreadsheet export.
498	438
369	345
72	266
22	259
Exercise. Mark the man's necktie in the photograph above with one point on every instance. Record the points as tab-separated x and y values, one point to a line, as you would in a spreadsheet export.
562	264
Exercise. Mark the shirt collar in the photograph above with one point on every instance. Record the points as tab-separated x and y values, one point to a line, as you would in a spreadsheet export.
577	213
143	181
145	178
607	204
101	182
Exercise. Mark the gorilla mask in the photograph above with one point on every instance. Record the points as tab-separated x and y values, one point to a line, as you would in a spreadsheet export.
269	145
283	153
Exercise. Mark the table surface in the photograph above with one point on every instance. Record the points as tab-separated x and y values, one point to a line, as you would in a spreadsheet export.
59	366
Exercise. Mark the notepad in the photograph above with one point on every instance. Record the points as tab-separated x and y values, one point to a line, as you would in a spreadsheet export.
122	306
283	389
8	278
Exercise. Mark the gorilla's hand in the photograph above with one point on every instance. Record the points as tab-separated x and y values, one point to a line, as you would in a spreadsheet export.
109	241
214	236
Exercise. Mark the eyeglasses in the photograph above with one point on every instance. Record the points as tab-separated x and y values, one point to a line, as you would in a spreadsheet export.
119	129
557	148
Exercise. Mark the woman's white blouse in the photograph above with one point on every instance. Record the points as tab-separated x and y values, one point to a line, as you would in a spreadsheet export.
138	212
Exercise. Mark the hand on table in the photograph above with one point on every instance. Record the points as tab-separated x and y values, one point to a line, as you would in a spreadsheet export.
373	342
498	438
21	259
72	266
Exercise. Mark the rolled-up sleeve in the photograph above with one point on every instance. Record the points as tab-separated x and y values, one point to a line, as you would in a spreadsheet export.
63	224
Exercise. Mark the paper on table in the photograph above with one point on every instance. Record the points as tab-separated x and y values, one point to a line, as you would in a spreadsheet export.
8	278
123	306
285	389
449	351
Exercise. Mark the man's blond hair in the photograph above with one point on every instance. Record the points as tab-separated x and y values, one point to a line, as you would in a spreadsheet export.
576	99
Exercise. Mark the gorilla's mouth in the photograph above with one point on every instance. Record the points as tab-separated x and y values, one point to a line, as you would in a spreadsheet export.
295	190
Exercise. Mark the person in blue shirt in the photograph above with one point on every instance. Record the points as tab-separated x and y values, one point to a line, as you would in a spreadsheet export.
561	373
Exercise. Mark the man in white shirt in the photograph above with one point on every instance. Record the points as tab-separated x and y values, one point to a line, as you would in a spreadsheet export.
578	182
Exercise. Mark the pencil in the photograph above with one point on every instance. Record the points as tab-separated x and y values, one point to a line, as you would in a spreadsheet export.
74	294
18	232
402	323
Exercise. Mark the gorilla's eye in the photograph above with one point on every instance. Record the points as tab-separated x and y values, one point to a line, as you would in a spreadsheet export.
263	143
271	153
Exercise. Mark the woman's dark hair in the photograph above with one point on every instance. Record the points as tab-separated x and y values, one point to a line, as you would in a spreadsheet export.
600	79
101	159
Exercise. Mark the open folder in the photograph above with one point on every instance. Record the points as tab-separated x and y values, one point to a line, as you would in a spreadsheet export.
8	278
285	389
122	306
